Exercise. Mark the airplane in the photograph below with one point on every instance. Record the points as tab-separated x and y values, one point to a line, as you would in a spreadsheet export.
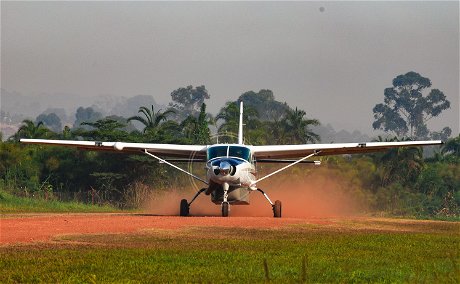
231	168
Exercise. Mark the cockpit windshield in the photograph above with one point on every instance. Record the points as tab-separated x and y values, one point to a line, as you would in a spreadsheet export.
229	151
217	151
239	152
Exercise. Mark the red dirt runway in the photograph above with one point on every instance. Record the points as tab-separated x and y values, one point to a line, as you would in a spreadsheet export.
27	228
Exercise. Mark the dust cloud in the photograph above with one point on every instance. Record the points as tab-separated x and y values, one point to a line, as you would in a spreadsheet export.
167	202
300	199
318	196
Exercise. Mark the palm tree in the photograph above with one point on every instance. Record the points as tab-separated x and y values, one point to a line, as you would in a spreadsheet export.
297	127
276	131
230	115
197	129
399	164
452	147
189	126
105	129
31	130
151	120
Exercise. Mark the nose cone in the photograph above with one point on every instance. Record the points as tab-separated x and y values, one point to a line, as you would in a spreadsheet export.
224	168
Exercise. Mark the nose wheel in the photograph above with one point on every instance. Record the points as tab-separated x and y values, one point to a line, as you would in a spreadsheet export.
225	206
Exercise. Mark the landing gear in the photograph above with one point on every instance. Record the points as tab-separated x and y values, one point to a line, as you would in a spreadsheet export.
225	206
184	207
275	206
277	209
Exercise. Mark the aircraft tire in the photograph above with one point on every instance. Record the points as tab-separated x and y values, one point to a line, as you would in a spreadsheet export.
225	209
184	208
277	209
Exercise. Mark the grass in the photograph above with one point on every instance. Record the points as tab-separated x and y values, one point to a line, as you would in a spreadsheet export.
346	253
13	204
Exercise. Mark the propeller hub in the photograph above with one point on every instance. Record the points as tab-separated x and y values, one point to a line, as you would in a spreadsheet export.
224	168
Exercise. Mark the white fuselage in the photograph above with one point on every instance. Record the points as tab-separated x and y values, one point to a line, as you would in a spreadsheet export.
230	164
239	175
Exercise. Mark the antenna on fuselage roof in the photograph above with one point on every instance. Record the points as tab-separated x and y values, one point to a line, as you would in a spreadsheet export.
240	128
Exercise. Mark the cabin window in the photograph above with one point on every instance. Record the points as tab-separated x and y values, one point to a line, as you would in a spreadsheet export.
240	152
217	151
229	151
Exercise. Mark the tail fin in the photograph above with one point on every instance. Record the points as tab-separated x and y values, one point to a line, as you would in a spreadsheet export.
240	129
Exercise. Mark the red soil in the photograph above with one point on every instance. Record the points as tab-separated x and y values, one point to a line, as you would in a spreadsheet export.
315	201
44	227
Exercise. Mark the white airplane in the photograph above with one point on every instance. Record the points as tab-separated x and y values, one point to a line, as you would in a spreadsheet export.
231	168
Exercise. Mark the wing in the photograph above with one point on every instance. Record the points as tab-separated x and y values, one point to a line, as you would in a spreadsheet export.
170	150
295	151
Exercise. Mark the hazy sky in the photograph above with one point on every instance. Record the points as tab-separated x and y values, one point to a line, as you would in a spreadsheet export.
333	63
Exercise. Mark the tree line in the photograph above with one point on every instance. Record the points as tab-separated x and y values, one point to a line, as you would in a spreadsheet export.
399	181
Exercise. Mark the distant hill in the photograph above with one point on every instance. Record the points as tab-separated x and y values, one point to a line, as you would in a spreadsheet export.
329	135
16	107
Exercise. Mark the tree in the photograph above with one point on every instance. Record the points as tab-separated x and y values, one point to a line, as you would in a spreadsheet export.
129	127
443	135
66	133
452	147
265	104
230	117
202	133
197	129
297	127
104	130
86	115
50	120
406	108
170	132
187	101
150	119
29	129
401	165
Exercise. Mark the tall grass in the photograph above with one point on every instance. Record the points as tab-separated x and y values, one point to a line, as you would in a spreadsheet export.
10	203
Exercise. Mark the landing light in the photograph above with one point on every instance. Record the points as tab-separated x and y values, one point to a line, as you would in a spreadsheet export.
118	146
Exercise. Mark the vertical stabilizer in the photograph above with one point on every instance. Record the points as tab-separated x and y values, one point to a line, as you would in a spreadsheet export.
240	128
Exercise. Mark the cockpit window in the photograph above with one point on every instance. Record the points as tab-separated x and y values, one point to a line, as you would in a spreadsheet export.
217	151
232	151
240	152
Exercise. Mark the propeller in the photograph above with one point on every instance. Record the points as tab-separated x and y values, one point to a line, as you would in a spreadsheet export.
224	168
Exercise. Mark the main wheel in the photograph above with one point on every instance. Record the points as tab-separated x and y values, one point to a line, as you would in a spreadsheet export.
184	208
224	209
277	209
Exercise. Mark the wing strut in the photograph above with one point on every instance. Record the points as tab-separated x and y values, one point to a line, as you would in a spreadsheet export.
290	165
174	166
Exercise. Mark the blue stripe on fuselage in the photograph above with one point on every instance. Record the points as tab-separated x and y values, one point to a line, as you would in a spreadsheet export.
230	160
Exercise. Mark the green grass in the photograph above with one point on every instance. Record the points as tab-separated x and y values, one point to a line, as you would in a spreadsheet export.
349	253
13	204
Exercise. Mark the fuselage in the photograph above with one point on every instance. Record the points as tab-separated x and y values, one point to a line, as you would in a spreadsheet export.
231	164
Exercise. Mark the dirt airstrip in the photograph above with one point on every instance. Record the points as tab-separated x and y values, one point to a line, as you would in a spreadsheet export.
32	228
305	206
27	228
